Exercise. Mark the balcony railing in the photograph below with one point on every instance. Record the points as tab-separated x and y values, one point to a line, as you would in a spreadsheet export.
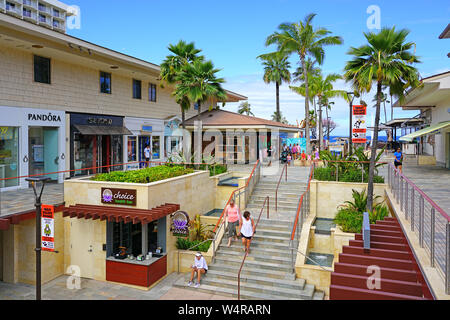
29	4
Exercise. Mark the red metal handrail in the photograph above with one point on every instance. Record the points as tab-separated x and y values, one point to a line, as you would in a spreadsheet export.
246	252
311	171
232	194
278	185
439	209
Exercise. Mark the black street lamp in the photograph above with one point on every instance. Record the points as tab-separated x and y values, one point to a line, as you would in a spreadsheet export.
350	96
38	248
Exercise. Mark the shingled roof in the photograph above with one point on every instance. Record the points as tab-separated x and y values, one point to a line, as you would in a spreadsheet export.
223	118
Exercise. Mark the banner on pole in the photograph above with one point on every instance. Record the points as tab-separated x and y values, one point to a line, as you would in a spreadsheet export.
359	125
48	228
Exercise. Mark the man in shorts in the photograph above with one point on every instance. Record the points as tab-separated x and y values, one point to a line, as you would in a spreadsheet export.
398	159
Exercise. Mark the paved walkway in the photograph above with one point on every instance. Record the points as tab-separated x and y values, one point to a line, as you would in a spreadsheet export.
99	290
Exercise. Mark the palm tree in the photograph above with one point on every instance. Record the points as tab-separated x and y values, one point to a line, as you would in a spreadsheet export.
386	60
384	99
276	116
310	68
244	107
182	53
276	69
198	82
303	39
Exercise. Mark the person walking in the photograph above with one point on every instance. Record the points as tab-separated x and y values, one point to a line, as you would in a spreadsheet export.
269	154
147	155
303	158
247	230
294	152
398	159
233	216
200	267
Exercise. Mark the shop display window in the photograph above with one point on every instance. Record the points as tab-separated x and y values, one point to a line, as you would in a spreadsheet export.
156	147
9	156
132	149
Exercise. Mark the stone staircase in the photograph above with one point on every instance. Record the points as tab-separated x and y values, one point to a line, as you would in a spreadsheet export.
267	272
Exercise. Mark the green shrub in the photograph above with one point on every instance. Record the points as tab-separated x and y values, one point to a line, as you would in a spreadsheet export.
325	174
185	244
216	169
345	175
350	215
145	175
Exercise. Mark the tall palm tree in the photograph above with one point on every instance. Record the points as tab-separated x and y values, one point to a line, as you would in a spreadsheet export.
324	90
310	68
305	40
198	82
244	107
386	60
276	116
182	53
276	69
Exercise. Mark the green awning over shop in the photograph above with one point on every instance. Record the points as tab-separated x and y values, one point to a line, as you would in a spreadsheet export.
410	137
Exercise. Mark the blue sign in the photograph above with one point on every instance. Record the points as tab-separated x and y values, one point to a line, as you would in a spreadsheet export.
147	128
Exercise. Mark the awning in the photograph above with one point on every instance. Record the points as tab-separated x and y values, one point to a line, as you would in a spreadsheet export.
119	214
102	130
431	129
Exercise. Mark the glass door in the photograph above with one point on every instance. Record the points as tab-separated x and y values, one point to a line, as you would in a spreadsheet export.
9	156
144	141
51	155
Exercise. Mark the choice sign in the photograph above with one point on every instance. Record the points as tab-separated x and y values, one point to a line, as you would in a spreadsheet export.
124	197
359	126
48	228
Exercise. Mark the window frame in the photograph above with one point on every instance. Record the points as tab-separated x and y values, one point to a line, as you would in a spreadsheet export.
49	69
110	81
151	97
136	81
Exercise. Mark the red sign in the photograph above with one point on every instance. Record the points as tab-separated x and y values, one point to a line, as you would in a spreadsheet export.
359	110
48	228
359	126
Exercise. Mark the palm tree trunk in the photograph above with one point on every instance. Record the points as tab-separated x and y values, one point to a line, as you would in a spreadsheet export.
277	86
385	116
199	107
320	127
305	73
374	150
183	117
328	126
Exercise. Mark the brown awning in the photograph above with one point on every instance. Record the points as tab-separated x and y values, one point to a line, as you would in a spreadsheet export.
119	214
102	130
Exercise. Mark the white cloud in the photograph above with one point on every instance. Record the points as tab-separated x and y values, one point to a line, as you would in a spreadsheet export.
261	97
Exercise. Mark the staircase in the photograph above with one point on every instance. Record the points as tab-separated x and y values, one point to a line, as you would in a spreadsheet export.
267	273
400	276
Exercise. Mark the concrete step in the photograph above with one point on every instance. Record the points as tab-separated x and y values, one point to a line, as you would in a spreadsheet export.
260	243
236	262
318	295
257	250
249	272
297	284
254	256
271	196
281	203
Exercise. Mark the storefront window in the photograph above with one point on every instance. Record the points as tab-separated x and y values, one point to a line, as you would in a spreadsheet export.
117	151
156	147
85	152
9	156
131	149
129	235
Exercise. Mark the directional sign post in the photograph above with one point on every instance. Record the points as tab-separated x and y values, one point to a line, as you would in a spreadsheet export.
48	228
359	125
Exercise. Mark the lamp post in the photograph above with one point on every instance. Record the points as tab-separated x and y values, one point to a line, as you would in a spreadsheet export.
350	96
38	248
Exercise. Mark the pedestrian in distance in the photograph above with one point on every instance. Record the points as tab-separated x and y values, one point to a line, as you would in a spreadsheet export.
247	230
232	215
200	267
147	155
398	160
269	154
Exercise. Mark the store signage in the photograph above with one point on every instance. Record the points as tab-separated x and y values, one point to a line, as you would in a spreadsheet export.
124	197
359	126
147	128
44	117
180	224
100	121
48	228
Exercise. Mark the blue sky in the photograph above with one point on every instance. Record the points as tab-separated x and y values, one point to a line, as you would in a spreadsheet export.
232	33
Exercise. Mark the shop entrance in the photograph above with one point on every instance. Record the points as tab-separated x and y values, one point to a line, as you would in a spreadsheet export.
144	141
82	246
43	151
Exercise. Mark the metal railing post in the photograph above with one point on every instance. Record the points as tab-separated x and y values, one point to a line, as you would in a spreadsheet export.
447	258
412	209
406	201
421	214
401	193
362	173
432	236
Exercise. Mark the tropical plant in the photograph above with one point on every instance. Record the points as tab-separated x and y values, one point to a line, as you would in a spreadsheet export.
386	60
306	41
276	70
350	214
198	82
182	54
244	107
279	118
196	245
145	175
200	231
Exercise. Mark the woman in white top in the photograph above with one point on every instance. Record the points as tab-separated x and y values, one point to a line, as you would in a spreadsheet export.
200	267
247	227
